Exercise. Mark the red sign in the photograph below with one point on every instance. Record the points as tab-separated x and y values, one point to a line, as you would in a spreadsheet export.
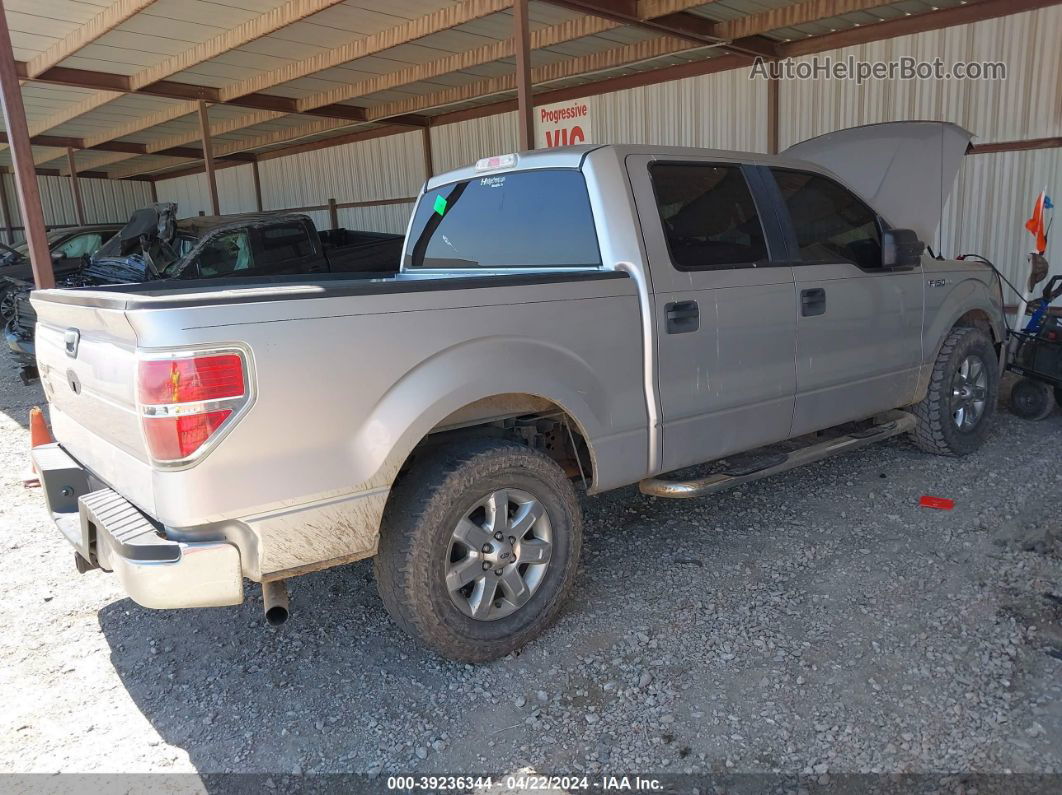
562	124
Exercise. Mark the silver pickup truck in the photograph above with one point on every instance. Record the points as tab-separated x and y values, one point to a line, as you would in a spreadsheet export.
595	315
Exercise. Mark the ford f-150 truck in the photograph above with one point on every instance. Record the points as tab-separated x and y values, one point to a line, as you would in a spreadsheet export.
598	315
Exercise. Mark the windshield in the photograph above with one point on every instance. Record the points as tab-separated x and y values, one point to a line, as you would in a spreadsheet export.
523	219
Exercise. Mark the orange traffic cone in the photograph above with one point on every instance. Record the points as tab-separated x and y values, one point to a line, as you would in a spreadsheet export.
39	433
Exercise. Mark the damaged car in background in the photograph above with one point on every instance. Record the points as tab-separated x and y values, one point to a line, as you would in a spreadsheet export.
155	246
70	248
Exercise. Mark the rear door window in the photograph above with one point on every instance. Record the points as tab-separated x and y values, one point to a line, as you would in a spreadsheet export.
282	247
831	223
524	219
709	217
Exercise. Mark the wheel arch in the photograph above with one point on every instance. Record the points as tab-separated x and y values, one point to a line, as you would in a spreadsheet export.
486	383
970	304
980	319
539	422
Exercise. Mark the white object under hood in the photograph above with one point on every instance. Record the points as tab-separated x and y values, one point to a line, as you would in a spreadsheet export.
904	169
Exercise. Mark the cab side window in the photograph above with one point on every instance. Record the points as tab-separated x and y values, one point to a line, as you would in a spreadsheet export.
708	214
80	245
228	253
283	246
831	222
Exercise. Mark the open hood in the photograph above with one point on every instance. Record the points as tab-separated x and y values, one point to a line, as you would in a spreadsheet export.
904	169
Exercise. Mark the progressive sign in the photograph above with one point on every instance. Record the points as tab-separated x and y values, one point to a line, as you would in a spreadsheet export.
562	124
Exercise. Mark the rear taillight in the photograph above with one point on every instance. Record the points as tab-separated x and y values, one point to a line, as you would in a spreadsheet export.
186	398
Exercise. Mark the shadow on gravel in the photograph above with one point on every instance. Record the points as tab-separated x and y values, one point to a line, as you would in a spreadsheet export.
239	695
16	398
822	596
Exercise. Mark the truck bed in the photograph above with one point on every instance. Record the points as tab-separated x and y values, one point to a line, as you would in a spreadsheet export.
347	375
285	287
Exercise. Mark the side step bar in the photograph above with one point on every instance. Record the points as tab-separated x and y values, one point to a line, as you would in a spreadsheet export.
894	423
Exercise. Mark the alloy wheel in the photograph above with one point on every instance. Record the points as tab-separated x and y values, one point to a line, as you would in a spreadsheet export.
498	554
969	393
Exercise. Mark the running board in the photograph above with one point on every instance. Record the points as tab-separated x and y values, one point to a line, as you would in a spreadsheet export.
894	423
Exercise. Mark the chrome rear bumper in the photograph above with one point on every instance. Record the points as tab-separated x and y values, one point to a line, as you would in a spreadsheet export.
110	532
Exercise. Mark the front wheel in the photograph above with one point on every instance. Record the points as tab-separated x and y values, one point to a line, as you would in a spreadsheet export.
963	390
7	304
478	548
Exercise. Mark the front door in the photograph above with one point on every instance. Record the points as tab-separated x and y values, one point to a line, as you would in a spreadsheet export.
859	327
725	324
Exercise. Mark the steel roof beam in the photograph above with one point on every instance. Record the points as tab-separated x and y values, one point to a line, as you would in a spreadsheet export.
171	89
679	24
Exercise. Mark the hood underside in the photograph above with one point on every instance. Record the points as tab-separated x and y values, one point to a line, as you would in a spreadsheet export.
905	170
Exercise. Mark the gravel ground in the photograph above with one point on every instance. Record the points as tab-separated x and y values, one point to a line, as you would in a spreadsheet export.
818	622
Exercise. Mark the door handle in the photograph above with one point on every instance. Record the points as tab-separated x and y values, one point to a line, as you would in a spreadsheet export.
682	317
813	302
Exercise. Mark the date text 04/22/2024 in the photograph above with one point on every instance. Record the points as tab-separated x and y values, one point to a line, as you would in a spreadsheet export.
524	782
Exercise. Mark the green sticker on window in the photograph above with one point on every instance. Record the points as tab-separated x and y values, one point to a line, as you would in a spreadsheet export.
440	205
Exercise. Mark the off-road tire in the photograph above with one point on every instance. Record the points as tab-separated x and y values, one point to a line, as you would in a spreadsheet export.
936	431
421	514
1032	400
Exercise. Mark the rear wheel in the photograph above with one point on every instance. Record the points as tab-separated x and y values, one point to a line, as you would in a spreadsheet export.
478	548
1032	400
963	390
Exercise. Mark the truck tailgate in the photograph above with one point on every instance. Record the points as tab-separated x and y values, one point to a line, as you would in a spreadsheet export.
87	361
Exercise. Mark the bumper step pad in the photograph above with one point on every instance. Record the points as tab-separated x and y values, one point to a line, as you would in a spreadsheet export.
135	537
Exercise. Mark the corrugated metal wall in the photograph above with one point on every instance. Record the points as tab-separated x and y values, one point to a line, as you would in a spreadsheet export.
1028	104
105	201
455	145
720	111
381	168
992	197
192	194
994	193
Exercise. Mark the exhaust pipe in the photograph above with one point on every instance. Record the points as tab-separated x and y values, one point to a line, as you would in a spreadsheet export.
275	602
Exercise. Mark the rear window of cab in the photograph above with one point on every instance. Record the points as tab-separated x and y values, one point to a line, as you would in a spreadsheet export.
522	219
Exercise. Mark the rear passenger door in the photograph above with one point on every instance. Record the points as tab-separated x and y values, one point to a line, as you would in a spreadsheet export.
725	323
859	327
